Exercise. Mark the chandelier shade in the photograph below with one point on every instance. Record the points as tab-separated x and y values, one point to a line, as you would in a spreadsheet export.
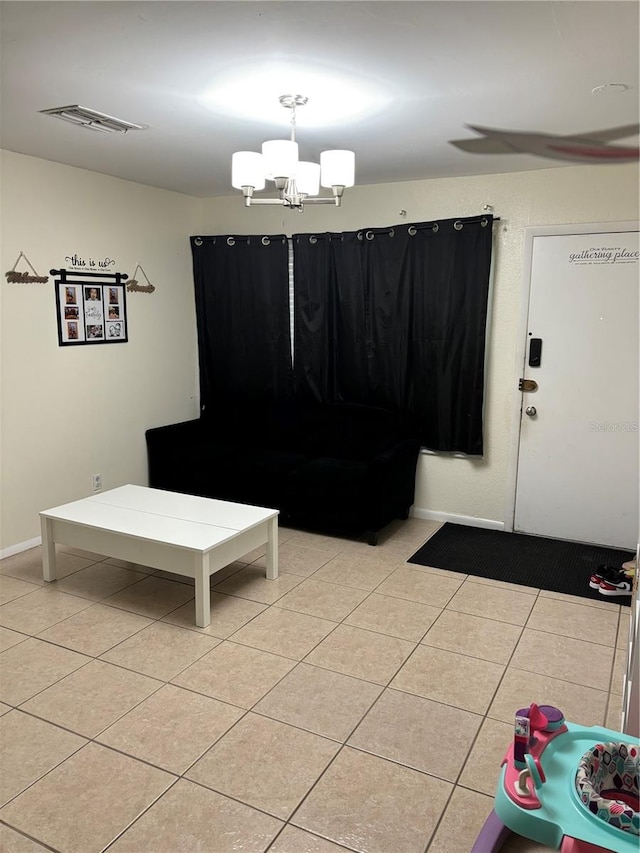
337	168
308	178
297	181
247	169
280	158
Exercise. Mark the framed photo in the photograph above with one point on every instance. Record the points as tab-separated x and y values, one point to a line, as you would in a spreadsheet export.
90	312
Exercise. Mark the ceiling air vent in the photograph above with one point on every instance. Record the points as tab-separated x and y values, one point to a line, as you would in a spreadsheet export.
91	119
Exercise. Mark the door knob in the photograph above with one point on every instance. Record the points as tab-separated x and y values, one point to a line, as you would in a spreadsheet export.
531	411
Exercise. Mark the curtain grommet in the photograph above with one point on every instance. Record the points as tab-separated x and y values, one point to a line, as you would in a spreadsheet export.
412	230
391	232
313	239
458	225
266	241
484	222
359	235
369	235
198	241
231	241
435	228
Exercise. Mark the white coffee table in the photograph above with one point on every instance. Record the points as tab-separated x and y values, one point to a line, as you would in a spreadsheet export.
183	534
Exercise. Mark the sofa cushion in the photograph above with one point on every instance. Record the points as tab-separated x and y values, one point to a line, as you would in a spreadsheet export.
282	426
329	479
249	474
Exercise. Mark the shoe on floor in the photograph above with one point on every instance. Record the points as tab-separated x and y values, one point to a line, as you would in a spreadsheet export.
630	564
603	573
621	586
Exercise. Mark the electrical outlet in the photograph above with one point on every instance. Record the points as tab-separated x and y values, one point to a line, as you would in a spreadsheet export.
96	482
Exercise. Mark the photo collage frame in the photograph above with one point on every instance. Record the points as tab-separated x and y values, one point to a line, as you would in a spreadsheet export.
90	312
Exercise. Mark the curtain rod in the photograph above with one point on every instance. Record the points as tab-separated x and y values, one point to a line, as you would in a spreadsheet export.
369	234
434	226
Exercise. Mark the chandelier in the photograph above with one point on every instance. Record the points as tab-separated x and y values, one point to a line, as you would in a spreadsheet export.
297	181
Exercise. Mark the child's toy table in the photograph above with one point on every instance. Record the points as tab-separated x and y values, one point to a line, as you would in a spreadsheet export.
538	797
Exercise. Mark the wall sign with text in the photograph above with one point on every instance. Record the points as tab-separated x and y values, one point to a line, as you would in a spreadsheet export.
90	311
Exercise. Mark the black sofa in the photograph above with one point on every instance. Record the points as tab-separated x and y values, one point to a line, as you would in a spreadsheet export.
343	469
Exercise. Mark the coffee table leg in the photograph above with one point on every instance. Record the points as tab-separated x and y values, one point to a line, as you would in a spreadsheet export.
272	549
48	549
203	608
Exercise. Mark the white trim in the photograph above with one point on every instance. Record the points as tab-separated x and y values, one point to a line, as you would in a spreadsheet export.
521	342
20	547
454	518
454	454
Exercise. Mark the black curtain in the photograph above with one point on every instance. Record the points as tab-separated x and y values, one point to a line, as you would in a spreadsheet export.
396	317
242	310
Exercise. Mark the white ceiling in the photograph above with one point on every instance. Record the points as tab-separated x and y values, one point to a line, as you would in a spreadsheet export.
427	70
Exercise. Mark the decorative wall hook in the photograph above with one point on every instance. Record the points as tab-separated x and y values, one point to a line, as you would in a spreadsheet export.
15	277
134	286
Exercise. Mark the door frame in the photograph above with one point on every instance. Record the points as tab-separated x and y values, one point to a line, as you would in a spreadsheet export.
521	343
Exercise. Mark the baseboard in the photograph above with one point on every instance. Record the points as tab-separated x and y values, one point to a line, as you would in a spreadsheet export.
21	546
469	520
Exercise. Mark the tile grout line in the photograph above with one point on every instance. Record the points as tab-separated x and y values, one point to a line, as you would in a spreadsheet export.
343	744
296	665
138	817
485	716
30	837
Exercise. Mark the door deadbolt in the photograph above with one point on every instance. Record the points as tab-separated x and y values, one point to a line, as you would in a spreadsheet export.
531	411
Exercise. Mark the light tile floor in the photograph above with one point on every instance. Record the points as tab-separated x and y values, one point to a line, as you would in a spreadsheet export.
358	703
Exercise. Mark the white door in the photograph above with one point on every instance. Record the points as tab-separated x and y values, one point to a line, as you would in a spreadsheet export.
577	475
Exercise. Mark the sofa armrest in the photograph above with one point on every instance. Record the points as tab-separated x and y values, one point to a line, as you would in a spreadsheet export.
395	471
406	451
174	432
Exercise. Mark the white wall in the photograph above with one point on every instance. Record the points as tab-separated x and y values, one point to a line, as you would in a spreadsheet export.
69	412
471	488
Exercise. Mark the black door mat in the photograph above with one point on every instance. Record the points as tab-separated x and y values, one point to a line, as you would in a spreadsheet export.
551	564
